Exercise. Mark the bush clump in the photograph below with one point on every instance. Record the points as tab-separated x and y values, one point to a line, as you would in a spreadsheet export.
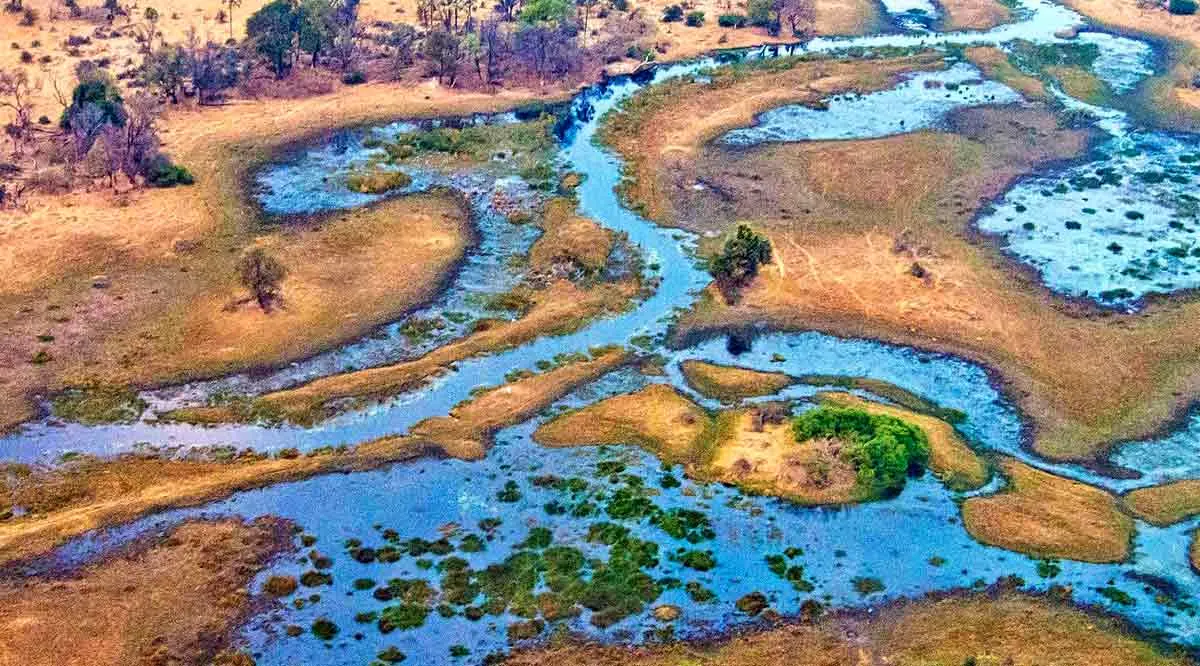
1184	7
672	14
280	586
738	262
883	449
732	20
163	173
694	19
377	181
324	629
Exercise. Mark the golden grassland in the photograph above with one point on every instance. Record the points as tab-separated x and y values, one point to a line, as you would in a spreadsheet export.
657	418
559	308
974	14
1165	504
843	255
177	599
739	447
570	236
75	498
167	251
1044	515
732	383
988	629
674	120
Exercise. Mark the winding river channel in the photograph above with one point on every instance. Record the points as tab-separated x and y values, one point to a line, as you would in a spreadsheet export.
912	544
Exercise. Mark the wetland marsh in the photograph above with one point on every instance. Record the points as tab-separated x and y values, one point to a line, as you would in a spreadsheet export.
576	443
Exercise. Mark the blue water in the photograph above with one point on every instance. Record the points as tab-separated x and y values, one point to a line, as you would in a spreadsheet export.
892	540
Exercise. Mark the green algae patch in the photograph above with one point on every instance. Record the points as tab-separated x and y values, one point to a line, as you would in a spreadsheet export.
98	404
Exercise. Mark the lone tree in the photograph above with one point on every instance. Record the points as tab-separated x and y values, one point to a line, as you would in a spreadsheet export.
739	261
261	274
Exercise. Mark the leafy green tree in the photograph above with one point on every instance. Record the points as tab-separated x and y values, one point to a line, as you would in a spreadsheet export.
444	51
884	450
739	261
165	70
552	11
315	27
272	30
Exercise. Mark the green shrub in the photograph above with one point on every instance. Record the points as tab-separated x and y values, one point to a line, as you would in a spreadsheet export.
731	20
324	629
1183	6
695	19
163	173
672	14
884	449
739	260
354	78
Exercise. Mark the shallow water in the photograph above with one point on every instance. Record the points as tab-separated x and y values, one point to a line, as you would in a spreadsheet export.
892	540
920	101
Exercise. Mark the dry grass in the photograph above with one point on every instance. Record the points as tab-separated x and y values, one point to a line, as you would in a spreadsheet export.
569	236
974	14
767	459
656	418
995	65
672	123
995	629
738	447
96	493
1166	504
843	254
52	250
1080	83
176	600
472	423
950	458
1044	515
732	383
559	308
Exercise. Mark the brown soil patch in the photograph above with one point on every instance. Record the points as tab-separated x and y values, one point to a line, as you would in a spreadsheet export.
175	600
726	382
1044	515
998	628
